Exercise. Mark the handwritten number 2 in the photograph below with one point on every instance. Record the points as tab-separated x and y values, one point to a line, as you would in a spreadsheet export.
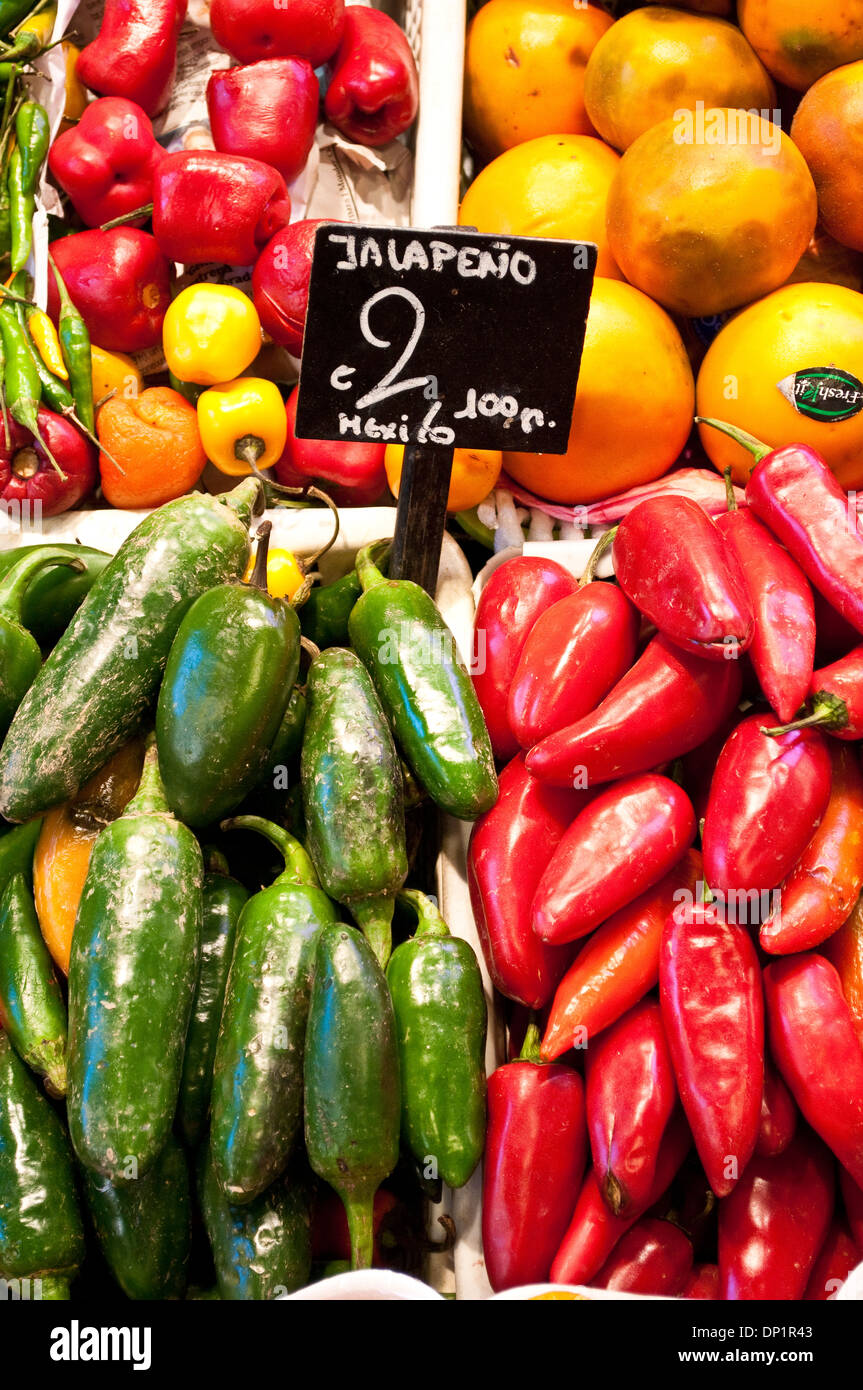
389	385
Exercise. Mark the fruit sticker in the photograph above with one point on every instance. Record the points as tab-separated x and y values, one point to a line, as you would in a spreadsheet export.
823	393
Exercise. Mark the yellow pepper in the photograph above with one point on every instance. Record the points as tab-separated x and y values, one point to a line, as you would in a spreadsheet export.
241	423
474	475
41	24
211	333
44	335
114	372
76	92
285	573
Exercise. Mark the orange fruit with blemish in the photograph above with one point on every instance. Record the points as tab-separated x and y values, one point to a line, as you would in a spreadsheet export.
798	41
151	448
555	186
828	130
524	71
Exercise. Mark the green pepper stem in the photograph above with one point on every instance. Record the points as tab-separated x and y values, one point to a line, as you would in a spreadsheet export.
746	441
530	1051
215	861
246	499
828	712
299	868
374	917
360	1214
18	577
368	563
258	579
602	545
730	499
429	918
150	797
145	211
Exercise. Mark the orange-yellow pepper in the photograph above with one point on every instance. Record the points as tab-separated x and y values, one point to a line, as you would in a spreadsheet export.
211	333
285	573
242	423
474	474
114	372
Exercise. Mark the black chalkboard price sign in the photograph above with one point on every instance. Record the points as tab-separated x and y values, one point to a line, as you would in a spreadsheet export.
438	340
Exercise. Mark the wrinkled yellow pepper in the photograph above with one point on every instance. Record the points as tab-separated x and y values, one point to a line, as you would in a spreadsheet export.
243	423
211	334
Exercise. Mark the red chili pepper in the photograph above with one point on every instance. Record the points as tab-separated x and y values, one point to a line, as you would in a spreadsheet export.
356	469
280	285
106	162
631	1095
778	1115
834	635
373	94
654	1257
702	1283
774	1223
28	476
767	796
134	54
217	207
836	702
839	1255
253	29
816	1049
594	1230
120	283
699	765
670	559
783	641
575	652
844	950
794	493
666	705
266	111
620	845
618	965
512	601
510	847
824	885
713	1011
534	1163
852	1196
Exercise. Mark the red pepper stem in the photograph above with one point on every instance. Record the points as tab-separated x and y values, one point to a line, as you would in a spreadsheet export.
258	578
127	217
746	441
533	1037
597	553
828	712
730	499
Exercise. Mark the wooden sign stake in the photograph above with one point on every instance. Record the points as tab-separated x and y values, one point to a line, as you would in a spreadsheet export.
421	515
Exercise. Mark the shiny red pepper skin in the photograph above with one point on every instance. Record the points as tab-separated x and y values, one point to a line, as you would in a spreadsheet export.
778	1115
254	29
834	635
618	964
594	1230
511	602
699	765
766	798
794	493
510	847
623	843
217	207
106	162
280	283
373	94
703	1283
120	283
838	1256
820	892
654	1257
534	1163
575	652
134	54
713	1011
852	1196
841	681
77	457
783	641
815	1047
671	561
266	111
631	1095
356	469
668	703
774	1223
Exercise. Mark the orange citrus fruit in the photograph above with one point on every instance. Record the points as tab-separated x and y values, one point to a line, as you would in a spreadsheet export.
633	407
524	71
151	448
798	41
828	131
748	373
657	61
710	210
555	186
474	475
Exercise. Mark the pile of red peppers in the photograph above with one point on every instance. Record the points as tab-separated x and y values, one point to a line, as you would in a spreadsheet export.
668	891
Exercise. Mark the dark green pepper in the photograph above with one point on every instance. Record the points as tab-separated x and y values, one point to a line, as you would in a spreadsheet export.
353	1103
441	1019
20	657
144	1228
425	689
54	595
17	847
226	687
32	137
75	342
263	1249
224	900
32	1010
324	615
258	1072
352	794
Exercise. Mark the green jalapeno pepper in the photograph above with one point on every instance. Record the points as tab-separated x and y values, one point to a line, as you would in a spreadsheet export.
32	1010
20	657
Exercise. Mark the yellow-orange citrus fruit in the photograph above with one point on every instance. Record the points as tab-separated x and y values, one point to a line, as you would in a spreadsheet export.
798	41
828	130
524	71
474	475
749	370
556	186
710	210
633	407
655	62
